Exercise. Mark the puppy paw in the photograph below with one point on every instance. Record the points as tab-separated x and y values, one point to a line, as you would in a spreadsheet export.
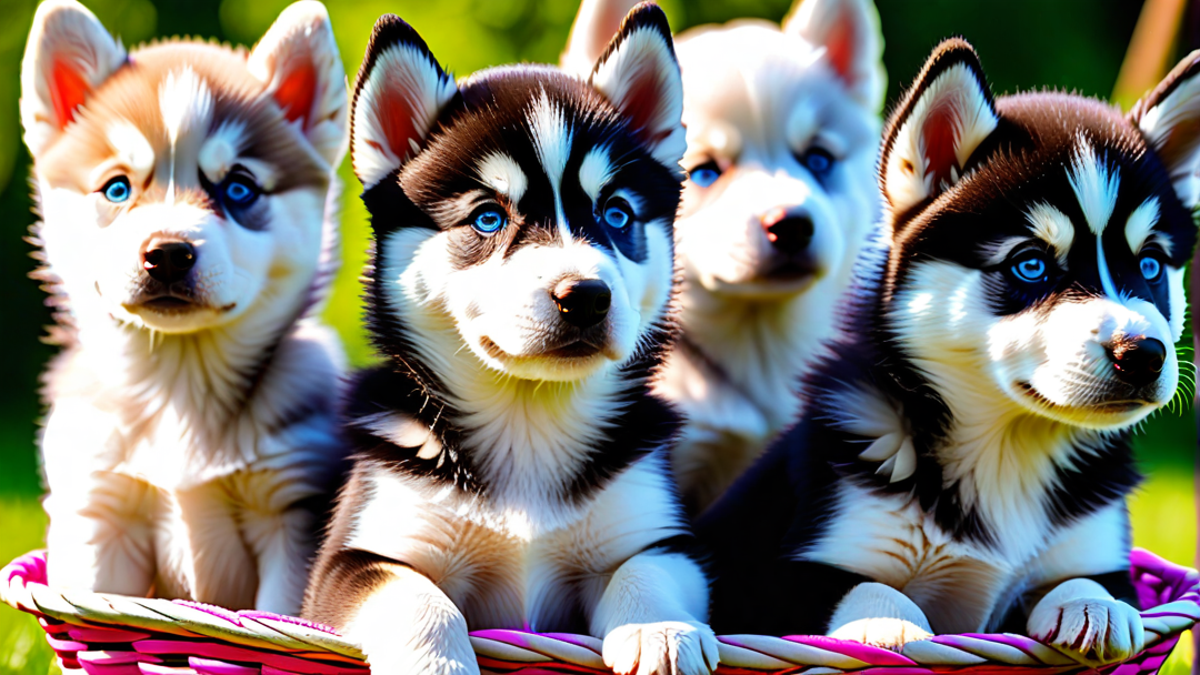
879	615
1093	631
666	648
882	632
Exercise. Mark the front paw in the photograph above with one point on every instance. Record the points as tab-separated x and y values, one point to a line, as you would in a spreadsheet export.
1093	631
665	648
882	632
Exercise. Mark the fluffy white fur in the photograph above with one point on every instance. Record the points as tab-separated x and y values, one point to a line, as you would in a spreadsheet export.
504	175
1139	229
180	445
1053	227
755	97
1095	185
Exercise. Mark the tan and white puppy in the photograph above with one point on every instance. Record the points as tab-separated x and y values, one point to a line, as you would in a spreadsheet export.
185	190
783	128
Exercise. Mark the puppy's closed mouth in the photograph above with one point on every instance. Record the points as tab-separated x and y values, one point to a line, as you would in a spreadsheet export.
173	303
566	349
575	350
792	270
1114	407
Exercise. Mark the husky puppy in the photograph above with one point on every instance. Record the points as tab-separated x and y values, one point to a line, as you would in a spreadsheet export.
965	459
183	189
783	130
511	468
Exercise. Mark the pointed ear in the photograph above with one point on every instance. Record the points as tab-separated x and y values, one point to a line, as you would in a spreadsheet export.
639	74
595	25
849	32
1169	118
69	54
299	62
941	121
401	89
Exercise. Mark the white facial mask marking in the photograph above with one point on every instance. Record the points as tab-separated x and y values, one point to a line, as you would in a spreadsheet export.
552	140
186	105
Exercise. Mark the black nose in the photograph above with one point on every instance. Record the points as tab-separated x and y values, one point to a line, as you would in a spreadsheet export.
1137	360
789	233
582	302
169	261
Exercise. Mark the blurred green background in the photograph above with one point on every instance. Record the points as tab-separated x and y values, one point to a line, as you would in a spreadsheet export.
1068	44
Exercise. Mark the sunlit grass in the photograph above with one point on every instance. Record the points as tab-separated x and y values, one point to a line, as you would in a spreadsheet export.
23	649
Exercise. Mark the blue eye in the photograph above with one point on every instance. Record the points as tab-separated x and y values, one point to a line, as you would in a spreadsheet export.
1031	269
1151	267
241	190
617	213
489	220
705	174
817	160
117	190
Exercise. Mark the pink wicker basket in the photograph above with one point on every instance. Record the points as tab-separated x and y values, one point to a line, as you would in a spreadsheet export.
120	635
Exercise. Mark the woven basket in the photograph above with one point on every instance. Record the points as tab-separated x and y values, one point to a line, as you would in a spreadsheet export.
120	635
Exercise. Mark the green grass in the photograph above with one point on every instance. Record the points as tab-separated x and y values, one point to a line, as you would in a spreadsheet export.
23	649
1164	521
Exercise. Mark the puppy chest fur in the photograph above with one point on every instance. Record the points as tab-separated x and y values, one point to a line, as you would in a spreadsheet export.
508	568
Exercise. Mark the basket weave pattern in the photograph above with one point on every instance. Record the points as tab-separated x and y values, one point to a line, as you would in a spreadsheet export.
106	634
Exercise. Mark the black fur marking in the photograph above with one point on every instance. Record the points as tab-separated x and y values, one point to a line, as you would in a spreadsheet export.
760	588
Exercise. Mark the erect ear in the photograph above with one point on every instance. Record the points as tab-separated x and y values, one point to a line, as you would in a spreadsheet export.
639	74
595	25
401	89
941	121
298	60
849	32
1169	117
67	56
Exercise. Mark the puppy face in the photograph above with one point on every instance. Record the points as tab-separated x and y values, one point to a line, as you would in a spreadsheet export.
1040	247
536	223
184	186
782	139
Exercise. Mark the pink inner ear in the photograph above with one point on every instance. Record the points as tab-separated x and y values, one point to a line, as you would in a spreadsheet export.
297	92
642	102
939	142
68	91
839	44
396	119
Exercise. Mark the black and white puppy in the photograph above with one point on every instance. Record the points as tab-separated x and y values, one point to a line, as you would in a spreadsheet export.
966	457
511	468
